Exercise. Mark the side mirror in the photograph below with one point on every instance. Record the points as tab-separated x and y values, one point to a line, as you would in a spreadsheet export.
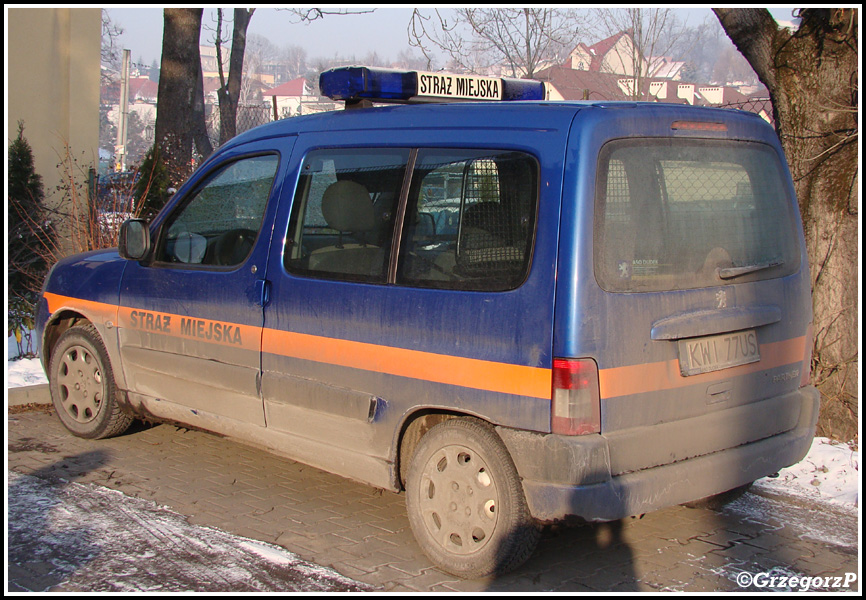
133	243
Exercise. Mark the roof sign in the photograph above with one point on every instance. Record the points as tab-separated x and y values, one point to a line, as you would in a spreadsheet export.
354	84
458	87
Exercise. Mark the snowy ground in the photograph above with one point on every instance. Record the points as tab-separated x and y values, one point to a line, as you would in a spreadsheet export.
27	371
81	537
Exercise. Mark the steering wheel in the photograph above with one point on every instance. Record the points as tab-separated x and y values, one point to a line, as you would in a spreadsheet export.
232	247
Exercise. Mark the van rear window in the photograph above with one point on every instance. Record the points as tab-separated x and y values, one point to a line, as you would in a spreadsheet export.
680	214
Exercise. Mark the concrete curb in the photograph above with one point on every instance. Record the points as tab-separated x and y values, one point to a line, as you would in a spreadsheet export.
29	394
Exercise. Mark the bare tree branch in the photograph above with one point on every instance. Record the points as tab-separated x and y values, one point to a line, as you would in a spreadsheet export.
308	15
653	33
486	40
752	31
110	33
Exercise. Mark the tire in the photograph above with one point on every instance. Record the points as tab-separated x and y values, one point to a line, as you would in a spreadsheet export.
82	385
465	501
719	501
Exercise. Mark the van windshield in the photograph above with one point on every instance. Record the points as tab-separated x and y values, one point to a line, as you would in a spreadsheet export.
680	214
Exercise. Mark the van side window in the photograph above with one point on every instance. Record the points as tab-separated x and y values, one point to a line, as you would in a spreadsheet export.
470	220
219	224
344	212
678	214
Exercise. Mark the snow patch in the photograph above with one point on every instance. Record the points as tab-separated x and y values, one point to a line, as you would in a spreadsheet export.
83	537
830	473
24	372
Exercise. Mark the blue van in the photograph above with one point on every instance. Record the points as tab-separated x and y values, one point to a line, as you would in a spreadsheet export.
512	311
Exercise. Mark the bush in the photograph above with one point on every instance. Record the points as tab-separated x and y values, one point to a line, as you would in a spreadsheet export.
151	191
86	222
28	230
27	225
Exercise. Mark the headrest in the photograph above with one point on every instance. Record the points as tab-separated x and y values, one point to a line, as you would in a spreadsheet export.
347	206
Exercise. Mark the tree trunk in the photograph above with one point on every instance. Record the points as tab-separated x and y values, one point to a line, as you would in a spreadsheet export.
181	64
812	77
230	92
200	135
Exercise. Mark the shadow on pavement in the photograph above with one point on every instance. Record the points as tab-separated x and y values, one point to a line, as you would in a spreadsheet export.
588	557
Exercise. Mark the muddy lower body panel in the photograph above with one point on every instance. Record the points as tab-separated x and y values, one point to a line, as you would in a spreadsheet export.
600	478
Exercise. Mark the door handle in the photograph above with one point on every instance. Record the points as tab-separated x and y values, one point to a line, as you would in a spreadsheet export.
263	292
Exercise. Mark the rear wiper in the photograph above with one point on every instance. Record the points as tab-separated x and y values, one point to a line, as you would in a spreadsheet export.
733	272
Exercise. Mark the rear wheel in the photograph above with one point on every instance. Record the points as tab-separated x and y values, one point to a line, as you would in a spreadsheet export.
466	503
82	385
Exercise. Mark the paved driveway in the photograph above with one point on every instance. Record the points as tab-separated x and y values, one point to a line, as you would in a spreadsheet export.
363	533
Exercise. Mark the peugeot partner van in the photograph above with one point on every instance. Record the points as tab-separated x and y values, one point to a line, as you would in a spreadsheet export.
513	311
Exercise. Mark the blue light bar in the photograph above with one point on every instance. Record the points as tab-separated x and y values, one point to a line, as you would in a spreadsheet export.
356	83
353	84
523	89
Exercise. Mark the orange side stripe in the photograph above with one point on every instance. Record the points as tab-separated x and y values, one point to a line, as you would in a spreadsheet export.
659	376
473	373
441	368
102	310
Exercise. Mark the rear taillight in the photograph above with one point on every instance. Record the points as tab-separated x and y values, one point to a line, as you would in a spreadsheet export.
806	369
575	404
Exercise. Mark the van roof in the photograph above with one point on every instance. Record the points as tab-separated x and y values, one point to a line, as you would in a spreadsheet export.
475	115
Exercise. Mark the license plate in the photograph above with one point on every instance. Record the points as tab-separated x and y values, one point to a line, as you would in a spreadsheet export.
717	352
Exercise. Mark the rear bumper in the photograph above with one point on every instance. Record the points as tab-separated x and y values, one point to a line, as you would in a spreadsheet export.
573	475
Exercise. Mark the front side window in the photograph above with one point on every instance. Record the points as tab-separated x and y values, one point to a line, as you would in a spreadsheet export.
681	214
470	220
219	224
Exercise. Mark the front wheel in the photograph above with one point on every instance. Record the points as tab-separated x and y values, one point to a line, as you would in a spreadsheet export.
82	385
465	501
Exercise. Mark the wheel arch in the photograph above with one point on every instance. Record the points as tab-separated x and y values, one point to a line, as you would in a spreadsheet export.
414	426
67	317
59	323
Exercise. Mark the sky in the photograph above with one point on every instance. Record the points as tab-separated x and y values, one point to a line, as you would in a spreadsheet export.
384	30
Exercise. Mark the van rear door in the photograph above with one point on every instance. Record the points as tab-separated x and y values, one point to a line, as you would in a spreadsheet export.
700	301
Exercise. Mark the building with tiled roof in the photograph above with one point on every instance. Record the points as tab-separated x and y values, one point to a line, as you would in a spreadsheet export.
615	54
141	89
573	84
295	97
613	69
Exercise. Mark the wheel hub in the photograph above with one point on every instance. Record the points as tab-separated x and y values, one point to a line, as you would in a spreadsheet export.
80	383
459	499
